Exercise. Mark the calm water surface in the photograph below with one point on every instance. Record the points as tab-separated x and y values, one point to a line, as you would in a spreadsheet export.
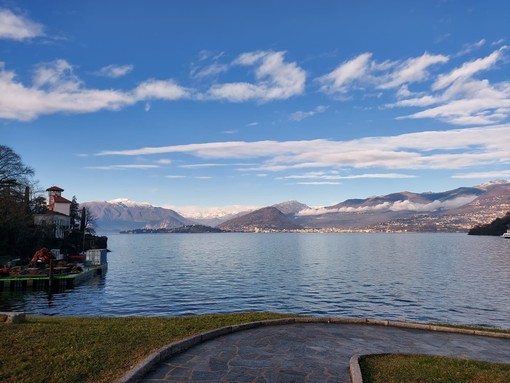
416	277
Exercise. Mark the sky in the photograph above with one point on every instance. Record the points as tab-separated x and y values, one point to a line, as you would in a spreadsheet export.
199	104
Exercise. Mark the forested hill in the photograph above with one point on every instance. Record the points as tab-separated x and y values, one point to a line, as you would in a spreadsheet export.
496	227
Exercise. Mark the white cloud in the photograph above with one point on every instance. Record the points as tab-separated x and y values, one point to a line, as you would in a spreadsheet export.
402	205
340	79
123	167
412	70
56	89
468	69
364	71
336	176
455	96
115	71
497	174
460	98
16	27
57	76
318	183
161	90
276	79
211	212
468	48
453	149
208	71
200	166
300	115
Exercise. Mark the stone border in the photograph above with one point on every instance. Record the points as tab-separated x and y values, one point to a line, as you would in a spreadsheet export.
355	370
12	317
142	368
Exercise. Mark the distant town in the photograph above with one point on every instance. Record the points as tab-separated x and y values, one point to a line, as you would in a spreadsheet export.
455	211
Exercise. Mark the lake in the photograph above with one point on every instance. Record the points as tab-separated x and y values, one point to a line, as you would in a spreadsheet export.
452	278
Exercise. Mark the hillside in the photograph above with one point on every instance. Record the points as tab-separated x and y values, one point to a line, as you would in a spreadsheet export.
118	215
453	210
291	208
265	219
497	227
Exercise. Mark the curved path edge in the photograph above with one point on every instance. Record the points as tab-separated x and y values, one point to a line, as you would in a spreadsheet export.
165	352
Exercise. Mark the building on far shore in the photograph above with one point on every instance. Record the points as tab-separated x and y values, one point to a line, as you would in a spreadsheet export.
58	214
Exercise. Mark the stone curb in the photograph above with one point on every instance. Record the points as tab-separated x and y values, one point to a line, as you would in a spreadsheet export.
142	368
355	370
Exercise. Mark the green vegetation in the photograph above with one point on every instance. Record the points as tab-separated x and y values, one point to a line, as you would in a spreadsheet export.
496	227
65	349
99	349
17	233
430	369
20	201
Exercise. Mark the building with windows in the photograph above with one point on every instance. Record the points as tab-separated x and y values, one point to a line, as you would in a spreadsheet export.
58	214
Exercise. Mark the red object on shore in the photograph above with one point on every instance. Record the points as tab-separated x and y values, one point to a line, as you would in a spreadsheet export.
43	255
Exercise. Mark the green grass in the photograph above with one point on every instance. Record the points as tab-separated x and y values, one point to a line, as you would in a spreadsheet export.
98	349
430	369
68	349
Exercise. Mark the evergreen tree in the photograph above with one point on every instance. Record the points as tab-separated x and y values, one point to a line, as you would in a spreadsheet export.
74	212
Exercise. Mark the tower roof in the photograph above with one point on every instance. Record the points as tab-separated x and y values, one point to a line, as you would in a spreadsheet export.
55	188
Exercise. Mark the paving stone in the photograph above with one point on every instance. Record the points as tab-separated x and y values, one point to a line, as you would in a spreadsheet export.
313	352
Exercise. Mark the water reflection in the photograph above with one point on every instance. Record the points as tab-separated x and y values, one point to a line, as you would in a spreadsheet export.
422	277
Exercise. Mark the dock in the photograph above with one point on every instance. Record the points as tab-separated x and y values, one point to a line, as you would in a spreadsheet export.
59	282
57	278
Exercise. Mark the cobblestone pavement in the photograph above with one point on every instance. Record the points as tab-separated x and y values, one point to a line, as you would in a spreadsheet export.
312	352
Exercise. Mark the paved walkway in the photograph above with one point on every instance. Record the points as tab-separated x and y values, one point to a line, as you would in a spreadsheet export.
317	352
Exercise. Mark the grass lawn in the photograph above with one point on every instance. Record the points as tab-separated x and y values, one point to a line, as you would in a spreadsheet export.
67	349
430	369
98	349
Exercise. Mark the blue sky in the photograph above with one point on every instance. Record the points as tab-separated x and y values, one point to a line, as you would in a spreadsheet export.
203	103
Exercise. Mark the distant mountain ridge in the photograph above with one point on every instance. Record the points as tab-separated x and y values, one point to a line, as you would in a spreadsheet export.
121	214
453	210
265	219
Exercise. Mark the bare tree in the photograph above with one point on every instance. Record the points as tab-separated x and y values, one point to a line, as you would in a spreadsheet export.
12	169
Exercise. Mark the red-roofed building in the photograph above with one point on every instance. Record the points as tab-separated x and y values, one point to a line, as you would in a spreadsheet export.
59	210
56	202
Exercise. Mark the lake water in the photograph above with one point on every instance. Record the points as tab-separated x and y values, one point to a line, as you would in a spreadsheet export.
451	278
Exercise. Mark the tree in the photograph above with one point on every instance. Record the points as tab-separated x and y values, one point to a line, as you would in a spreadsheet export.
38	205
12	169
17	234
496	227
74	212
87	221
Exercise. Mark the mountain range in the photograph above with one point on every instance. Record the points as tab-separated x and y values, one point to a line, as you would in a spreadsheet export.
453	210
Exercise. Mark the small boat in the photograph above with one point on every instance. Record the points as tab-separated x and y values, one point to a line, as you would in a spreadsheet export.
506	235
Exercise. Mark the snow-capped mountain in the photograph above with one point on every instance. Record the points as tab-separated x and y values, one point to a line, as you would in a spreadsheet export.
456	209
122	214
291	208
213	216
